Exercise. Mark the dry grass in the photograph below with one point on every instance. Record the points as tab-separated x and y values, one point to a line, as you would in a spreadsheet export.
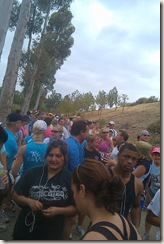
132	119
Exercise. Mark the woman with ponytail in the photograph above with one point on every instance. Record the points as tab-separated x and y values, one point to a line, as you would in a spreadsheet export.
98	195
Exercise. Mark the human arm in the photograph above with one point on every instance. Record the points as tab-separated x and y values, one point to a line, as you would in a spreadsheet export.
108	161
111	143
136	211
53	211
26	201
153	215
153	219
3	160
18	161
139	171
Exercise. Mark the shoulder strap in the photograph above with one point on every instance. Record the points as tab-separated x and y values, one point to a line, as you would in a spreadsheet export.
104	231
100	224
133	233
124	226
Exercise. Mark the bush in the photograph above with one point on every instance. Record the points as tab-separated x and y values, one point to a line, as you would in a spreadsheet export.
155	127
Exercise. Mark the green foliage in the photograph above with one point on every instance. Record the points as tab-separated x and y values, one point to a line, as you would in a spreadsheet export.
142	100
14	14
152	99
112	97
101	99
155	127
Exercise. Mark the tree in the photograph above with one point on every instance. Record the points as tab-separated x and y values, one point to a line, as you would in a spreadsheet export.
152	99
101	99
124	98
50	52
53	101
10	78
88	101
112	97
5	12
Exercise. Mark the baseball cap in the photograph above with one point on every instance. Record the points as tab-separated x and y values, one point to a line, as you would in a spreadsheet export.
13	117
25	118
111	122
40	125
29	112
156	150
50	114
144	132
144	148
37	112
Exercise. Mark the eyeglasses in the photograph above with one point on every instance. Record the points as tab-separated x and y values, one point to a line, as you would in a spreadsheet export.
146	135
54	131
105	132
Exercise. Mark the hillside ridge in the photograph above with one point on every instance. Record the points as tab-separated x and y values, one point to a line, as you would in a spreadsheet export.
133	119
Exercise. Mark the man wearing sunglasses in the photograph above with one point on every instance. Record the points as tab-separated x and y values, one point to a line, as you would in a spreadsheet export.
143	136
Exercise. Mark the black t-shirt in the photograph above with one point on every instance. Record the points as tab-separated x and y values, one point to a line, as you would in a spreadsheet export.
54	192
94	154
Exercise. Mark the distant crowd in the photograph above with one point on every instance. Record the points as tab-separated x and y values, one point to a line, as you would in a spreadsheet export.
57	169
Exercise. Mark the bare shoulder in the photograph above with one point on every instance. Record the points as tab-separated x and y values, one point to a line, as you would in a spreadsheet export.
22	149
93	235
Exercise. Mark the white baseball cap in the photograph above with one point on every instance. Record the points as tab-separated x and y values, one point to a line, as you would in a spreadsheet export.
40	125
111	122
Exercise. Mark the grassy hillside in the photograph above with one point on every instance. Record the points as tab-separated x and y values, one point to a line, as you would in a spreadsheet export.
132	119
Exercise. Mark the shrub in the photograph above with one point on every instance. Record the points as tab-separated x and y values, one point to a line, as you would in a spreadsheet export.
155	127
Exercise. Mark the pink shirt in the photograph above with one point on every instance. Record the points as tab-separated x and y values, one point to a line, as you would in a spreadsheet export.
24	130
48	132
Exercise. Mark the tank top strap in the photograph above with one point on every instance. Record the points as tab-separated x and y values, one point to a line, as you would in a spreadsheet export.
124	227
104	231
108	224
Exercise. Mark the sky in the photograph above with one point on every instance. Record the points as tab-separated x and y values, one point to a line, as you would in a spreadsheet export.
116	44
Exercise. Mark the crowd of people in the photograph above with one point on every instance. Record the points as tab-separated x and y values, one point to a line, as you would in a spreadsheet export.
59	169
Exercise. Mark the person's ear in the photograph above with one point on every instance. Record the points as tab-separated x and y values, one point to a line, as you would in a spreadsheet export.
82	189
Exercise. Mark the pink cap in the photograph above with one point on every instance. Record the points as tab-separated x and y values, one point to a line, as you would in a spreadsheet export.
156	150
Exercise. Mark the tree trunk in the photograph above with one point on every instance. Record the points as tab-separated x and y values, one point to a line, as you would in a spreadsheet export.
29	91
28	94
38	97
9	82
5	12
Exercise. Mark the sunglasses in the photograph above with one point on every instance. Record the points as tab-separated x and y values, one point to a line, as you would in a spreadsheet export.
105	132
146	135
54	131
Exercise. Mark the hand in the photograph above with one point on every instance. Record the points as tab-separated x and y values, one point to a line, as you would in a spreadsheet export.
110	162
35	204
51	211
5	179
106	157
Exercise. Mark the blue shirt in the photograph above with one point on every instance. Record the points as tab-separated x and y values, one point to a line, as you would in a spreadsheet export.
11	148
155	178
28	139
75	153
34	155
3	149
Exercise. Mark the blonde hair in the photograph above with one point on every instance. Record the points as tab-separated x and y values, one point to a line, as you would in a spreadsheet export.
92	137
38	134
58	127
104	129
